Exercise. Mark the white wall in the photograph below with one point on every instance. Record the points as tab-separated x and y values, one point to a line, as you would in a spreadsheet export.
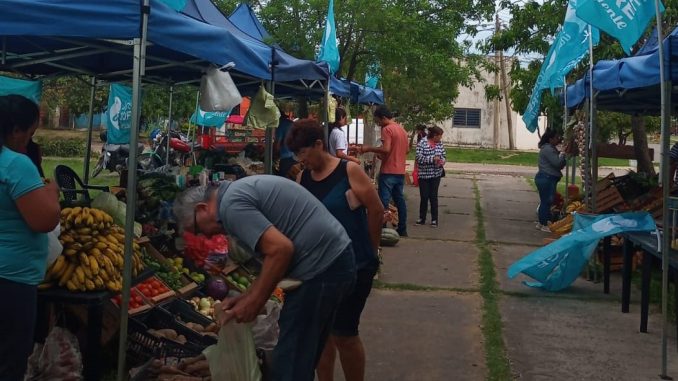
473	97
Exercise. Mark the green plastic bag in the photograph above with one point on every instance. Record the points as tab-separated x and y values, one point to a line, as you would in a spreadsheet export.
263	111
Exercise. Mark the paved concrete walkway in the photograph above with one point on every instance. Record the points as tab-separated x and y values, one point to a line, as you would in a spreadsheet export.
423	322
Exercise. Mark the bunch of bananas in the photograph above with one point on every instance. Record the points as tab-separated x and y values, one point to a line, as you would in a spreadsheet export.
575	206
562	226
93	255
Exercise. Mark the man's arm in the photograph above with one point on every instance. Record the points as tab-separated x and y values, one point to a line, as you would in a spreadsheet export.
385	148
278	251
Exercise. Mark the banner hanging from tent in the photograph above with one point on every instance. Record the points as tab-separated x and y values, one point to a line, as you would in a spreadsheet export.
119	120
209	119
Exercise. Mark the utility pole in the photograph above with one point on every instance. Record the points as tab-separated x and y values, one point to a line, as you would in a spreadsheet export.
505	90
496	84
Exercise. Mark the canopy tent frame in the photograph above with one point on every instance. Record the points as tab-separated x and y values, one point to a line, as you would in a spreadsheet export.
139	57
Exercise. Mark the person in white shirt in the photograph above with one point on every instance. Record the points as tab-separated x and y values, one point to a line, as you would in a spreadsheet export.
338	144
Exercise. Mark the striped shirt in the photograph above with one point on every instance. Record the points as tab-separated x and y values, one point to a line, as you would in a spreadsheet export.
427	167
673	154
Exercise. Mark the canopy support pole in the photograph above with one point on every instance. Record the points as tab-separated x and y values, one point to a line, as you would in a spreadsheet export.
268	144
139	54
197	111
325	114
357	128
169	124
666	188
567	162
90	126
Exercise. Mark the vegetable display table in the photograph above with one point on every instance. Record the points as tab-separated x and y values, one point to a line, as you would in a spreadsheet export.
94	301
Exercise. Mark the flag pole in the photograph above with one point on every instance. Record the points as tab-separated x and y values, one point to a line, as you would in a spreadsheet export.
593	165
666	185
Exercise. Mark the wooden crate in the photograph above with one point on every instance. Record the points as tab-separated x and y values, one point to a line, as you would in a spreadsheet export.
608	199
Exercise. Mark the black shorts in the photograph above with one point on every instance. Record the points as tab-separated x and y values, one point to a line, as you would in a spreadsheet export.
347	318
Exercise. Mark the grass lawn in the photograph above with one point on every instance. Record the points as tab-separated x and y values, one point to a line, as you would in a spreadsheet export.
494	156
104	178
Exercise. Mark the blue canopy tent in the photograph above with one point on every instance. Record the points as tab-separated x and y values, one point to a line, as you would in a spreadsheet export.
243	18
121	40
291	75
629	85
355	92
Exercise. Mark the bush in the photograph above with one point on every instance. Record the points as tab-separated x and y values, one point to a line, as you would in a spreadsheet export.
62	147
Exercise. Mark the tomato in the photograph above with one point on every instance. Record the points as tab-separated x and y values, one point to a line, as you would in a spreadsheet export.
137	299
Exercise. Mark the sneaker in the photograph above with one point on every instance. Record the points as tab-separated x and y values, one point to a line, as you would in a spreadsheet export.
420	222
434	223
543	228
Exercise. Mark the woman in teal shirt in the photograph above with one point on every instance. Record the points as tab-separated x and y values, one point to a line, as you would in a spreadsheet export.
29	209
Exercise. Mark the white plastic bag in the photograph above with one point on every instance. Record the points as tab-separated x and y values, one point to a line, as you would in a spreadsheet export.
234	356
217	91
54	247
58	359
265	329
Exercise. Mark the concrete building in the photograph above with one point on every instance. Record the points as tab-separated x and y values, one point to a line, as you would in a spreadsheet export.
474	122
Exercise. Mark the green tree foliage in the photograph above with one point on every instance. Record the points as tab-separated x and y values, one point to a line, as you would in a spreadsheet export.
413	41
74	93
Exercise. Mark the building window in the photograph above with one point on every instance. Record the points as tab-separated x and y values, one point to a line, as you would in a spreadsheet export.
466	118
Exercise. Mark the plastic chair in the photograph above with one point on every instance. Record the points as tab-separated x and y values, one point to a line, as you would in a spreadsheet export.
71	186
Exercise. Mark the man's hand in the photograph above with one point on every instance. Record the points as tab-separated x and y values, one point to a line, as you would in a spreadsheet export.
243	309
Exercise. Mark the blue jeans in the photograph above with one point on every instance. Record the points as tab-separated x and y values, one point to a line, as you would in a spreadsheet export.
546	185
391	186
307	318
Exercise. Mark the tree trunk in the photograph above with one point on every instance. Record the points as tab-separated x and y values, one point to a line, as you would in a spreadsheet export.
640	146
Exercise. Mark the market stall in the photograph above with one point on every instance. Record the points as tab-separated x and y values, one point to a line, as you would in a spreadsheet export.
98	39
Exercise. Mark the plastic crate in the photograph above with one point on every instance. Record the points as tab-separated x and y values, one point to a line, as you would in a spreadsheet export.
142	345
186	314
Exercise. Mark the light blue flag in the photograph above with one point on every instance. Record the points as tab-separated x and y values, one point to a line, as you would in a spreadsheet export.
572	45
329	49
29	89
624	20
531	114
209	119
372	76
568	49
557	265
119	114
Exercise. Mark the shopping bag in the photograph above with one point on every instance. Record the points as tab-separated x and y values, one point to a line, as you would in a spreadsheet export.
58	359
54	247
234	357
263	112
217	91
415	175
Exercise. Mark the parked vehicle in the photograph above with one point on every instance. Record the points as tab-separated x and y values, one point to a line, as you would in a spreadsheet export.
114	157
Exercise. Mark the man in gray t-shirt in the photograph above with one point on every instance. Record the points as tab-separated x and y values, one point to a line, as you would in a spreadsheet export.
297	237
248	207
